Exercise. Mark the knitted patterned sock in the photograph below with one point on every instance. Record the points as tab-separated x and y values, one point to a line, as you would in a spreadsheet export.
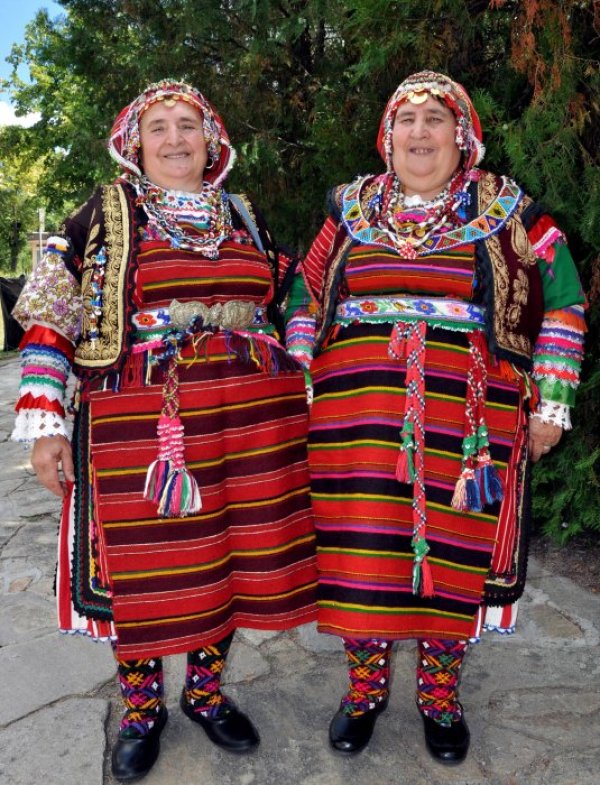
438	677
203	677
369	672
141	683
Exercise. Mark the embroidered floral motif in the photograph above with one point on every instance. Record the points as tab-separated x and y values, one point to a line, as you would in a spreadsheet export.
521	288
51	295
452	314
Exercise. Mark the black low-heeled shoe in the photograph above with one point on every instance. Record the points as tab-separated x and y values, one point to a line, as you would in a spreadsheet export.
352	734
447	744
132	758
231	730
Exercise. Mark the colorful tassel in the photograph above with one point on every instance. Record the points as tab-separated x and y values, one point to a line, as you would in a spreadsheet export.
488	479
473	495
169	484
459	497
467	497
422	578
479	482
408	341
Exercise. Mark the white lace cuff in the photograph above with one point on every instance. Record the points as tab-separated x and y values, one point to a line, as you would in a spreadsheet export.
554	414
30	424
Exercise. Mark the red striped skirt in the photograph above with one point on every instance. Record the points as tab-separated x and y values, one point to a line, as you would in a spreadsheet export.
248	557
364	516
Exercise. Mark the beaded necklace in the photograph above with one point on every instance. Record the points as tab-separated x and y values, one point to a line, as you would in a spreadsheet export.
169	211
409	221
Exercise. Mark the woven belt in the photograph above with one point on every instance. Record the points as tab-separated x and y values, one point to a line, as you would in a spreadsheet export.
439	311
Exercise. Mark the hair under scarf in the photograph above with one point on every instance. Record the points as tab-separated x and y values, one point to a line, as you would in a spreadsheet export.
416	89
124	142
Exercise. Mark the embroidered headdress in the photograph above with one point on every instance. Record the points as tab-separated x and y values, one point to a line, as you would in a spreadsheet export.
124	142
416	89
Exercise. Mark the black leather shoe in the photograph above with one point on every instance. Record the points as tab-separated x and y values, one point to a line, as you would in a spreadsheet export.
352	734
231	730
134	757
447	744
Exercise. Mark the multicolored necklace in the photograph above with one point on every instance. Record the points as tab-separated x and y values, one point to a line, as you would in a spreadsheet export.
409	221
169	212
362	204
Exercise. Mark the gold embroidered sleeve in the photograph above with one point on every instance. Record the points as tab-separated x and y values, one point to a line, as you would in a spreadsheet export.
51	295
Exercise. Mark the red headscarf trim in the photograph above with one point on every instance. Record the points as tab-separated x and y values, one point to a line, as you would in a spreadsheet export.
124	143
469	138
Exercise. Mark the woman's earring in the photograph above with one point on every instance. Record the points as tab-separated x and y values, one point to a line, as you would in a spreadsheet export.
460	138
209	163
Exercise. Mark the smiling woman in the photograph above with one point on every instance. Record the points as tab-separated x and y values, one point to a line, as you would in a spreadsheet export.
425	153
441	317
186	491
174	150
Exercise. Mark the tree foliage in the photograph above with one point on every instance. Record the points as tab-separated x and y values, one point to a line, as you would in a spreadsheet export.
301	85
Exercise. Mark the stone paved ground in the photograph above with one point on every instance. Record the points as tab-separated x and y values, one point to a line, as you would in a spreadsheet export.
532	700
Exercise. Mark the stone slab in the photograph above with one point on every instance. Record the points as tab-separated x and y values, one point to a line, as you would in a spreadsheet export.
47	669
62	744
24	616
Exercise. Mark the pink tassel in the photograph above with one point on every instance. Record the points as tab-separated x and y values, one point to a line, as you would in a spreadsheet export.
427	589
168	482
402	467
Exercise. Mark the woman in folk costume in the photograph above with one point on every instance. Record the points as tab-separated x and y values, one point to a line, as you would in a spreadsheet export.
441	315
186	490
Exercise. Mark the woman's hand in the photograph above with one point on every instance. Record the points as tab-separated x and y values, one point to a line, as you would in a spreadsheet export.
543	436
49	455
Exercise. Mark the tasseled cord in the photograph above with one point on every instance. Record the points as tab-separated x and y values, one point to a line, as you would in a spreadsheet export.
407	341
169	483
479	482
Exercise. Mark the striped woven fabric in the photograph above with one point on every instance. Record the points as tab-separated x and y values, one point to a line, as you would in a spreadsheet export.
375	269
166	274
363	515
248	557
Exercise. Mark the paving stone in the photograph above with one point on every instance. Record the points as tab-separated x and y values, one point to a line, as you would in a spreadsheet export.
46	669
245	663
256	637
58	745
554	624
25	616
310	639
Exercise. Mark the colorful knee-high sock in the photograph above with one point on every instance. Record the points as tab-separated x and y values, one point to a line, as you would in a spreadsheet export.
203	677
369	672
438	678
141	683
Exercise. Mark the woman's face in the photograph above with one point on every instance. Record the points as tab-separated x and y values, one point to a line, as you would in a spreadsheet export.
173	150
424	151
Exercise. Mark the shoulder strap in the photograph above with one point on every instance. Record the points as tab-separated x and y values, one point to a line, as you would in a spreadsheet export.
243	208
257	227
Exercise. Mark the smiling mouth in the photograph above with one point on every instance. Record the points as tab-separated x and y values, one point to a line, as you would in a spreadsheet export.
421	150
176	156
